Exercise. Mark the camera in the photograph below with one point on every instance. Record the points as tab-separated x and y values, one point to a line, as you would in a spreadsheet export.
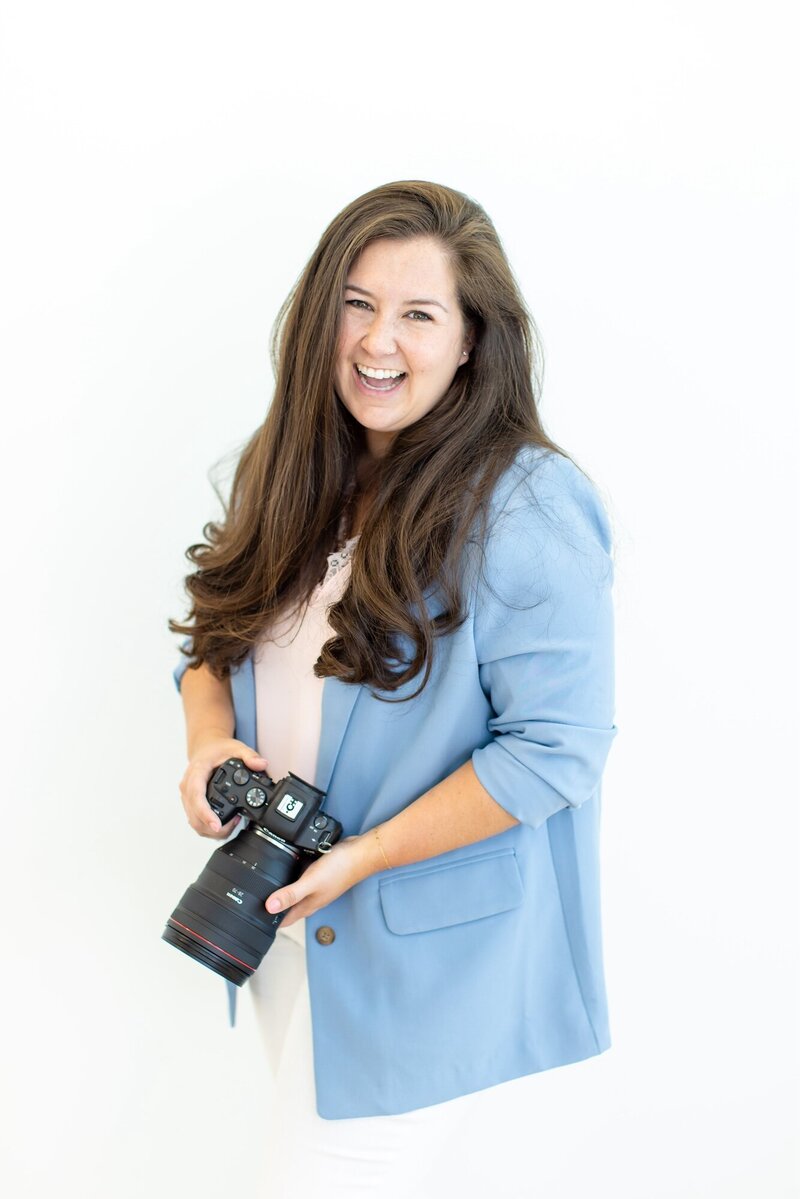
221	921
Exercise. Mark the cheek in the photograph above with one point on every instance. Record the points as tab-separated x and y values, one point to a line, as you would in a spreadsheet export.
343	355
435	366
347	334
428	361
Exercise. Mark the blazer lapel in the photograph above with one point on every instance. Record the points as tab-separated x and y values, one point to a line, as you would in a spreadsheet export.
338	701
243	693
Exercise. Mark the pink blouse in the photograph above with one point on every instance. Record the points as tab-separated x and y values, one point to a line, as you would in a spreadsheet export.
288	693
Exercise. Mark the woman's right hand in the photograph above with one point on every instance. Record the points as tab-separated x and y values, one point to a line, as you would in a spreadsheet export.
208	754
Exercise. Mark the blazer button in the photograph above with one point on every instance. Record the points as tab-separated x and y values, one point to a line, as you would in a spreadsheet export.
325	934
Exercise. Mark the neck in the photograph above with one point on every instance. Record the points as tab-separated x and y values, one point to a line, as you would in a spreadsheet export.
367	467
378	443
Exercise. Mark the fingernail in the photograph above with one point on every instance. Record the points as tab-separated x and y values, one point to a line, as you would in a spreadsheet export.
273	904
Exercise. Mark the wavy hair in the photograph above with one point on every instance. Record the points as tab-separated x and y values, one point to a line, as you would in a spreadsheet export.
295	479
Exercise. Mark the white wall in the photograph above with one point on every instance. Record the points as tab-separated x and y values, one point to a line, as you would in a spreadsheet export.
168	169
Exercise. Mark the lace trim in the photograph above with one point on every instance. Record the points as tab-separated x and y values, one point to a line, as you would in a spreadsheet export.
338	560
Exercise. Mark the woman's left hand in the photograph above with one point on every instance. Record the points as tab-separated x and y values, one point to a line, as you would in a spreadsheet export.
329	876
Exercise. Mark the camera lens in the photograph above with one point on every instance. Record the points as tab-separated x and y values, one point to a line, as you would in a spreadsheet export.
221	920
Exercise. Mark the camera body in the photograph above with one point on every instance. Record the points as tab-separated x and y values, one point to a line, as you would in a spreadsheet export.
222	921
290	810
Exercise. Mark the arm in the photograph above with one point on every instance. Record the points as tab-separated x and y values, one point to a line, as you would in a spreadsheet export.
544	635
544	641
210	725
207	706
456	812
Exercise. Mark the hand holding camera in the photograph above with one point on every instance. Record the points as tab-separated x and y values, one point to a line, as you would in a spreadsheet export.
205	759
222	921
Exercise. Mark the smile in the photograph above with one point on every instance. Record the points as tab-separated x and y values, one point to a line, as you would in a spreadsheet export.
382	386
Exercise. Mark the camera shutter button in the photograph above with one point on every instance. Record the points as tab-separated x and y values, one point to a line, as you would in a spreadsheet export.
241	776
325	934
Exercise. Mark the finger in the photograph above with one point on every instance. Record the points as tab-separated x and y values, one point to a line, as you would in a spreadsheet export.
221	832
204	829
207	823
227	828
204	821
255	761
285	897
202	817
251	757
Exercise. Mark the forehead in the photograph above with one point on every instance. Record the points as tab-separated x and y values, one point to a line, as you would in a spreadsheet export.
414	267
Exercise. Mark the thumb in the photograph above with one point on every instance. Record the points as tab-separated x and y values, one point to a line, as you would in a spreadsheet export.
285	897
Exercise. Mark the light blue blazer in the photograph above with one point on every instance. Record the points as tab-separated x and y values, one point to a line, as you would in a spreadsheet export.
484	963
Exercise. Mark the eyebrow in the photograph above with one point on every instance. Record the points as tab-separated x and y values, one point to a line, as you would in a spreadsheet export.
364	292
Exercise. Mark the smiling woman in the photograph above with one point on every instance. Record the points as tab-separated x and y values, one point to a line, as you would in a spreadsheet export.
394	361
408	604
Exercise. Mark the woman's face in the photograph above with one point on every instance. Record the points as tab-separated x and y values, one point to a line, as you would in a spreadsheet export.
400	313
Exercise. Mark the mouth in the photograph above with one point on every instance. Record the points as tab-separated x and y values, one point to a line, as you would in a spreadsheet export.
378	386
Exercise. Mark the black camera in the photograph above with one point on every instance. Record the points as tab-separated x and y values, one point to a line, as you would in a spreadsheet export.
221	921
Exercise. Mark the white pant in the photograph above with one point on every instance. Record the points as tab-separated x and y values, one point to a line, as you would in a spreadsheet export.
473	1145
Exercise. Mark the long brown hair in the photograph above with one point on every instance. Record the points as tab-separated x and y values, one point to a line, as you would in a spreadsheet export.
294	480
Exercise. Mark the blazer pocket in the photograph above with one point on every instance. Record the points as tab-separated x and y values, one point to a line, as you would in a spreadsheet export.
451	894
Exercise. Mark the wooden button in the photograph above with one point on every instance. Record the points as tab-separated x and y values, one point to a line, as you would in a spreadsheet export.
325	934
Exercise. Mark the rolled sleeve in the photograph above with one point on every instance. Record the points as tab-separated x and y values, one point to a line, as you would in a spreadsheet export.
544	636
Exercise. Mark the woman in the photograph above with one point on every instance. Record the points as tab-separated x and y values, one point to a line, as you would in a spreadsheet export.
409	604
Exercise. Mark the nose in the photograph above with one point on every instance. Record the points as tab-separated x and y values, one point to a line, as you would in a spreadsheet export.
379	341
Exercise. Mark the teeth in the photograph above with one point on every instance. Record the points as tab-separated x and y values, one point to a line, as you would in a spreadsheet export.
371	374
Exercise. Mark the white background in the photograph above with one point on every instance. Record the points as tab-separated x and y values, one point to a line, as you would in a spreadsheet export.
168	168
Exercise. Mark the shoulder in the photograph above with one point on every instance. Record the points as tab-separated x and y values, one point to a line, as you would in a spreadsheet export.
546	495
547	538
543	571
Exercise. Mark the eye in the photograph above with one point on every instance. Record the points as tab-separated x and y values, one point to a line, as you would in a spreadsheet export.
414	313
